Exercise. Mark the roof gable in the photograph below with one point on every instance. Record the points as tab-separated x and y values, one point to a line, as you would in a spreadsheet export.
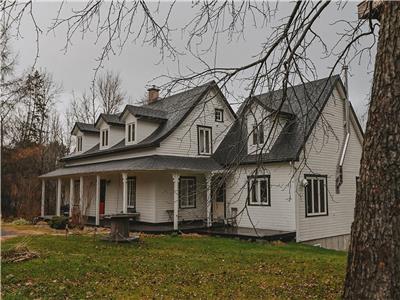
290	142
85	128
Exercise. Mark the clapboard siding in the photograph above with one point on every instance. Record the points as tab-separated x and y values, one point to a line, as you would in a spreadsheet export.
280	215
322	153
165	199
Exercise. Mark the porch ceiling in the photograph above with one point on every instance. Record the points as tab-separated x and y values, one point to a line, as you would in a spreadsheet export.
147	163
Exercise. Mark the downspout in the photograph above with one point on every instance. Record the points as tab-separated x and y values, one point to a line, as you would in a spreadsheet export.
339	169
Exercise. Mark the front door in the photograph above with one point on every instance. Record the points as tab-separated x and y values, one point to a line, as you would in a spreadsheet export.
219	195
103	188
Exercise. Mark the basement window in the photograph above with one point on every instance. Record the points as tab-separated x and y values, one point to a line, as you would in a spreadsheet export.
316	195
259	190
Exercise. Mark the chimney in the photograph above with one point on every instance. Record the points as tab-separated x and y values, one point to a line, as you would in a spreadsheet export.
153	94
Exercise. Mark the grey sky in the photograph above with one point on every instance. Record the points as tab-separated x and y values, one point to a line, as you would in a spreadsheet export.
137	64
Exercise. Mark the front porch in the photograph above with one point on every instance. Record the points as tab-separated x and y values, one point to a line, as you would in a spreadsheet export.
158	196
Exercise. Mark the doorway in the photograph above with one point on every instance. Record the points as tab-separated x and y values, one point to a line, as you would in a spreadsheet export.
103	189
219	199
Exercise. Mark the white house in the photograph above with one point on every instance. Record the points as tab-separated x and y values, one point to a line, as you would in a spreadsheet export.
272	167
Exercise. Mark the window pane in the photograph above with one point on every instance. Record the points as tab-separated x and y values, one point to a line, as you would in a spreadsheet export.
322	194
131	191
261	134
254	191
264	191
133	132
129	133
207	137
255	135
309	196
316	194
201	141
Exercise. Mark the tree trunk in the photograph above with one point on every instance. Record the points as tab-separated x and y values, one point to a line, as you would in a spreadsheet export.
373	270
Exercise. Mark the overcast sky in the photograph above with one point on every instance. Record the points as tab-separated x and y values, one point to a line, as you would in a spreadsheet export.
138	64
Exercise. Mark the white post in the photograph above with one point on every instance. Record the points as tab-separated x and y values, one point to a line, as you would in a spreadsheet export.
175	178
58	204
97	200
71	195
209	203
43	197
124	193
81	194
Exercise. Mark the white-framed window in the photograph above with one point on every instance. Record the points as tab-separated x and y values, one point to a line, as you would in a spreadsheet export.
187	192
219	115
104	137
131	184
259	190
131	132
204	137
79	143
258	134
316	195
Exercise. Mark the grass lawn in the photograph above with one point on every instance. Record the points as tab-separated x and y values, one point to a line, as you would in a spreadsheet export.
171	267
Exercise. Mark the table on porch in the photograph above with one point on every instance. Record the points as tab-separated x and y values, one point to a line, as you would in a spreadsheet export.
120	227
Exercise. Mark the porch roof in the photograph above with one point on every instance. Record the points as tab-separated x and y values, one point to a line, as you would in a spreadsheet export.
146	163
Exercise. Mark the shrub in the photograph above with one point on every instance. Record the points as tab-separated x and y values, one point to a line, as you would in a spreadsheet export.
20	221
58	222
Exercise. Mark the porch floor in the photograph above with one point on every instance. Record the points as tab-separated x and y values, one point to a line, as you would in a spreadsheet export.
250	233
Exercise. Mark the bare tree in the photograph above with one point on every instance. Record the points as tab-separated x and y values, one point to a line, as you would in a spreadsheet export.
374	258
109	92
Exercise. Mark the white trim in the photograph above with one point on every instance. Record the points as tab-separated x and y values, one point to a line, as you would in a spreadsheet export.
97	209
175	178
124	193
58	204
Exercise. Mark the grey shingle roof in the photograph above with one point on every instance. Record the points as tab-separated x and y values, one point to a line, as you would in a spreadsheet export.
304	103
153	162
146	112
85	127
112	119
175	107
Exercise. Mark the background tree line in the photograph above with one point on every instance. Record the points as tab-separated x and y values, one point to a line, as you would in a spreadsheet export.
34	135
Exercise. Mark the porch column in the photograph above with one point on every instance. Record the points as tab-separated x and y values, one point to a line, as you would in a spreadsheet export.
81	194
97	210
124	193
175	178
71	195
43	197
58	203
209	203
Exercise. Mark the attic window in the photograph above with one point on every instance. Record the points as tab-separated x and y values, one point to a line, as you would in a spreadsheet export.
258	134
204	140
79	144
219	115
104	137
131	132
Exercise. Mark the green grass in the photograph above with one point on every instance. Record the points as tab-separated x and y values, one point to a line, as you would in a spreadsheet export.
171	267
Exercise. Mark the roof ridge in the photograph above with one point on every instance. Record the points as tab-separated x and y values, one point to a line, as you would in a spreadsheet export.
298	85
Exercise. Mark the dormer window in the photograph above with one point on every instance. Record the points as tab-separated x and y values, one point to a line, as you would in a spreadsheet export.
131	132
204	140
258	134
219	115
104	138
79	143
